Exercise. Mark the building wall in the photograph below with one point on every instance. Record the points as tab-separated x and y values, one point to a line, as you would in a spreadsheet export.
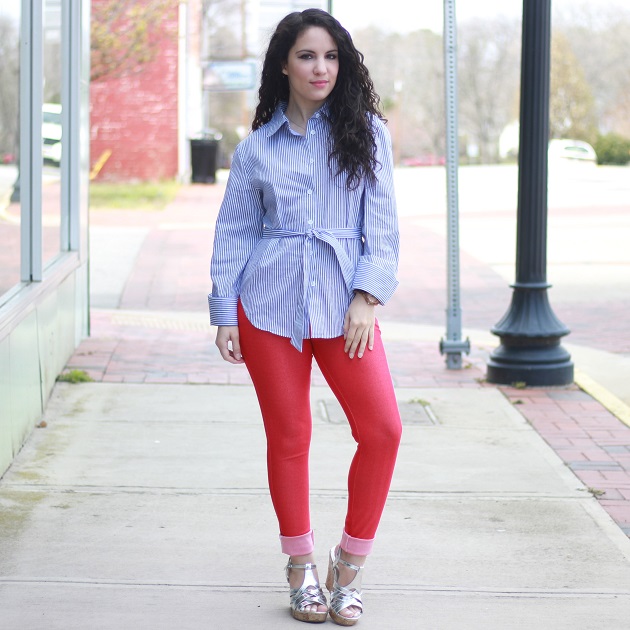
135	116
35	344
44	317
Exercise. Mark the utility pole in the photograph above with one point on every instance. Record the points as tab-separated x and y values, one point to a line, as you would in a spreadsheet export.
530	333
452	346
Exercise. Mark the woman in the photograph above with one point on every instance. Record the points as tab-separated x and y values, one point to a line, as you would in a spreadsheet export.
306	246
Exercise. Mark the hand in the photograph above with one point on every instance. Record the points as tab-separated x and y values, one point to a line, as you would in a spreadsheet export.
229	345
358	327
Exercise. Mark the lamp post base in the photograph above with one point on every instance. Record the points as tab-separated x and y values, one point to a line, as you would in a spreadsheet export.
533	362
530	350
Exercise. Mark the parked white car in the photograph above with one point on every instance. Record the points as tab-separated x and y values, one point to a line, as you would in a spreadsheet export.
571	151
51	132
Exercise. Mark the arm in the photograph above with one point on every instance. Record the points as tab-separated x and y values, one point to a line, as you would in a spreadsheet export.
375	277
377	267
238	230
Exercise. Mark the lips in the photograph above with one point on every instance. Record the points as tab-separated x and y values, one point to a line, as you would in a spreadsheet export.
319	84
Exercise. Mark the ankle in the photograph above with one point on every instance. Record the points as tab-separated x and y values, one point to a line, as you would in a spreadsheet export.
346	574
358	561
305	559
295	575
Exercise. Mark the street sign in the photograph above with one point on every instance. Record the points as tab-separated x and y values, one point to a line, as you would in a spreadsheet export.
225	76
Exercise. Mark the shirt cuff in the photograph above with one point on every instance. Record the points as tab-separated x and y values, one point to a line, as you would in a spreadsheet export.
375	280
223	310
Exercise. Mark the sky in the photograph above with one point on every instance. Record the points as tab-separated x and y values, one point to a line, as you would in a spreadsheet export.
410	15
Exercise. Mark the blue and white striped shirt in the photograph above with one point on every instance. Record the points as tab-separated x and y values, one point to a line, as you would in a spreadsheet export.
292	241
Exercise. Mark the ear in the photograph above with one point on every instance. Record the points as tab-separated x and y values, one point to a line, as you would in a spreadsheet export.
284	68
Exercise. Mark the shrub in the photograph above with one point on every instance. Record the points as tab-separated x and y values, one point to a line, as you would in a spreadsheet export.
612	149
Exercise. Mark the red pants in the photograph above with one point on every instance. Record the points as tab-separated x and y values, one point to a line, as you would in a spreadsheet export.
282	378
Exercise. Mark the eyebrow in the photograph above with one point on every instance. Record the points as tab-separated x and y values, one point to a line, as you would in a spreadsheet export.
307	50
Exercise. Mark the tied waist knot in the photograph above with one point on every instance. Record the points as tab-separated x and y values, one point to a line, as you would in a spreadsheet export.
331	237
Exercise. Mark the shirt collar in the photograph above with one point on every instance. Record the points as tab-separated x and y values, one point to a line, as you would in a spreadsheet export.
279	118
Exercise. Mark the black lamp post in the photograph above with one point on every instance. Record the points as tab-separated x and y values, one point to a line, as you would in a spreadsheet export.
530	333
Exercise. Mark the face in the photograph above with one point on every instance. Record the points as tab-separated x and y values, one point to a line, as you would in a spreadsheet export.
311	67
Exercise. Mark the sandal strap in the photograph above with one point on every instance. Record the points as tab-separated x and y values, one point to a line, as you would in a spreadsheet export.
342	597
349	564
308	566
306	596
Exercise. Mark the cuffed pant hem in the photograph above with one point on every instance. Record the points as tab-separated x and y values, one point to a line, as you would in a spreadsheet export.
356	546
298	545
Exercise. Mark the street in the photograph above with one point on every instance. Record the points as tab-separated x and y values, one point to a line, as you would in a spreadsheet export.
588	236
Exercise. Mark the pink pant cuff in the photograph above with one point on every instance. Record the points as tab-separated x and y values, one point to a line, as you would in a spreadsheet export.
356	546
298	545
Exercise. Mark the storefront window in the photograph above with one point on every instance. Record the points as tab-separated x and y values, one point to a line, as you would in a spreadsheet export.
9	145
51	131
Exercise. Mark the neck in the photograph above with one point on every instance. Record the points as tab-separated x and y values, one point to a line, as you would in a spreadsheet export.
300	113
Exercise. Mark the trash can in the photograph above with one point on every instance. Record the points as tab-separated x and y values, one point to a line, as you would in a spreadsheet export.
204	156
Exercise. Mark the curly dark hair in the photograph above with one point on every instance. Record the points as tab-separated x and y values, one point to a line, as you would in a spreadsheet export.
350	103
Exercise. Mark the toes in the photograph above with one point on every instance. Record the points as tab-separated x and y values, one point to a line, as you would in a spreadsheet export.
350	612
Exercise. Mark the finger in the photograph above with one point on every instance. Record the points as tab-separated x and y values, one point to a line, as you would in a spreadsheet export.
352	331
225	351
356	340
346	325
236	347
371	337
363	342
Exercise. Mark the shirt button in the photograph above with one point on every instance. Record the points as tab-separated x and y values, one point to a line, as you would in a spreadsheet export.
309	192
310	221
312	132
317	115
313	283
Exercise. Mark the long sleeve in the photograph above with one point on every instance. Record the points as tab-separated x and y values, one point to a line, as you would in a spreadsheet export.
238	230
292	241
377	267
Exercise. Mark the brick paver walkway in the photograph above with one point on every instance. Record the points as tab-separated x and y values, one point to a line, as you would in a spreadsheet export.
160	334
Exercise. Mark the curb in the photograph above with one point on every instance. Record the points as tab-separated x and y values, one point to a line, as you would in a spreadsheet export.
607	399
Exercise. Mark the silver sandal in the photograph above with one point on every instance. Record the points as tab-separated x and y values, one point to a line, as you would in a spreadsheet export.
343	596
309	594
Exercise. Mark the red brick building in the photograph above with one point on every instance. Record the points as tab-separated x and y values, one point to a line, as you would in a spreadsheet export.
137	115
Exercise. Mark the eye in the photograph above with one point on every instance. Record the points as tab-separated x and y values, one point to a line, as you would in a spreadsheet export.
305	56
331	56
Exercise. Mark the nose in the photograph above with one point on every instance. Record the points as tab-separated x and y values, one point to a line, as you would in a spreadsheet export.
320	66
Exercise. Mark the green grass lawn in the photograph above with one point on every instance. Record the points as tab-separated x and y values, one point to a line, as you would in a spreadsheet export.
138	196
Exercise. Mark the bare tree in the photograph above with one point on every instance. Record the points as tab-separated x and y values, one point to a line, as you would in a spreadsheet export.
488	80
599	38
590	76
571	107
125	35
408	74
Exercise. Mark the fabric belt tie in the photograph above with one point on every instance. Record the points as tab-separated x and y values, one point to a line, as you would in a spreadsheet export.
347	268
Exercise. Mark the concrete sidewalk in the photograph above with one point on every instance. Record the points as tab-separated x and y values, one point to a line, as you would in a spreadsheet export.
146	506
142	500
